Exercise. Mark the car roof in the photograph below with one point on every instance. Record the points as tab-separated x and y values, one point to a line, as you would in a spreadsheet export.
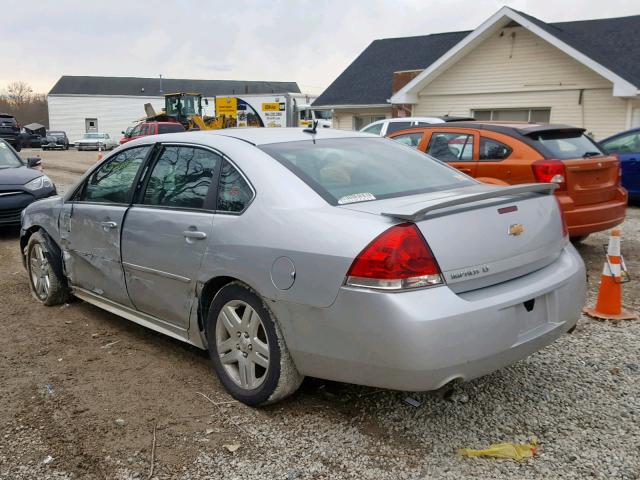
510	128
413	119
619	134
264	136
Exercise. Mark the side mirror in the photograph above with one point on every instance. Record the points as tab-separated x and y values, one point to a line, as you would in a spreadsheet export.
34	162
206	101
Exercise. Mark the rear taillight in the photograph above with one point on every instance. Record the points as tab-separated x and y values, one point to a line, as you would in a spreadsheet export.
550	171
397	259
565	227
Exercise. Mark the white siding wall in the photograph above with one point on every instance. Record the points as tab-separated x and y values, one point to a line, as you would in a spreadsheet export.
114	114
525	71
343	119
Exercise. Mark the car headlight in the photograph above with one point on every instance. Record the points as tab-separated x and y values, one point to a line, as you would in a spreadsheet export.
39	183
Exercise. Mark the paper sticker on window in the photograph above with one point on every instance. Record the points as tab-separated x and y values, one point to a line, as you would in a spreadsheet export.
356	197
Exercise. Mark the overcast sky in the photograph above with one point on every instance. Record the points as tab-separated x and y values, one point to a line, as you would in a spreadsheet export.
310	42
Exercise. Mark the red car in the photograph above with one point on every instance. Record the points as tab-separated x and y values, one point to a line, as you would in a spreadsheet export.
150	128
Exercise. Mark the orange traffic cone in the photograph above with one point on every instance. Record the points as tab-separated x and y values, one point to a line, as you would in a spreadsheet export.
609	304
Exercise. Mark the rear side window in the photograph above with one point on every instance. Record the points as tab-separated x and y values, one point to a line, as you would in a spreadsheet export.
451	147
563	144
348	170
181	177
169	128
493	150
409	139
395	126
234	193
113	181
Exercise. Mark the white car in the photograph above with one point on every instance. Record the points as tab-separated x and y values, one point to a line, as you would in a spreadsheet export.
96	141
390	125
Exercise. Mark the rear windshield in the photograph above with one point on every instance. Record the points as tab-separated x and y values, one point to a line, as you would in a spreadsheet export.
348	170
7	120
8	158
170	128
565	145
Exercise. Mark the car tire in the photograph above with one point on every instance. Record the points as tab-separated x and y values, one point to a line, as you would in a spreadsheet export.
248	350
17	147
45	285
579	239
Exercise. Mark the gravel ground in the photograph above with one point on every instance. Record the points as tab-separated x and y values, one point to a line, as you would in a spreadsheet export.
77	405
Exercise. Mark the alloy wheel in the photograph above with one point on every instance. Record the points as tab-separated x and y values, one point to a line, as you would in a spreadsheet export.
39	268
242	344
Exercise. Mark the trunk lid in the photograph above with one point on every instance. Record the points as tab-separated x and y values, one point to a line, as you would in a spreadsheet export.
592	180
482	242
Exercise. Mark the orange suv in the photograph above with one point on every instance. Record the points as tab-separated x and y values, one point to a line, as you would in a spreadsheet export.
588	179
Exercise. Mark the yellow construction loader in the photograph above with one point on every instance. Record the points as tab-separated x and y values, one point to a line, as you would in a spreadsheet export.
186	108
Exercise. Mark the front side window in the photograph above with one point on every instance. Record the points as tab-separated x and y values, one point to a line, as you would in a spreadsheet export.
113	181
234	193
346	170
409	139
451	147
629	143
181	177
493	150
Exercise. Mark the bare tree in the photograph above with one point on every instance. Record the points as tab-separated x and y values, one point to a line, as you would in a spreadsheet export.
19	93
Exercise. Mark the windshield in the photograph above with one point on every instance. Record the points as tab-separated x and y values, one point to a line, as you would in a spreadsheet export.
564	145
93	135
57	134
8	159
323	114
348	170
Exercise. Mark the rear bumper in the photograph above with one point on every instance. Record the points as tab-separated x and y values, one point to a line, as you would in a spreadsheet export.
421	340
586	219
12	138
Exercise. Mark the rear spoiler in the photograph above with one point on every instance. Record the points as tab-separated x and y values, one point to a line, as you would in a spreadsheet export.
546	188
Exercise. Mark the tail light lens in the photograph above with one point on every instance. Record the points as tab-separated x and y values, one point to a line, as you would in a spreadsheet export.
550	171
398	259
565	227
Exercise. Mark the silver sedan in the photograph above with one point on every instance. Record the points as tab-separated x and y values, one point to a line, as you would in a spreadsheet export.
333	254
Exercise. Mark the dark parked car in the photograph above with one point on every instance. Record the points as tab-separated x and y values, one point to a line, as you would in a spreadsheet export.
626	145
10	130
55	140
30	139
20	185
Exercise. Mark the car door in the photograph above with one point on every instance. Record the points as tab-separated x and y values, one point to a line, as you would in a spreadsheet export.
492	164
627	147
90	225
167	230
457	148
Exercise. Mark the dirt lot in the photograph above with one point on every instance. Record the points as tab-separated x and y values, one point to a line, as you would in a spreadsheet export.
83	390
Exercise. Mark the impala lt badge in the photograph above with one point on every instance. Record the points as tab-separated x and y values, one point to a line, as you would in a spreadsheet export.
516	229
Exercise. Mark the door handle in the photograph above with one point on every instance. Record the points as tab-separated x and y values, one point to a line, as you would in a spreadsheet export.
107	225
194	234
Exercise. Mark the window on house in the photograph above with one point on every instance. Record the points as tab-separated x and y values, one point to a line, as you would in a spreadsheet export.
360	121
534	115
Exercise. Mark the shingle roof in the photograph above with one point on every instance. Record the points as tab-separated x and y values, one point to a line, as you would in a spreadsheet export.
367	81
612	42
82	85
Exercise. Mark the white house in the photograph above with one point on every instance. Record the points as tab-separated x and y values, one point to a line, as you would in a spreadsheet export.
512	67
79	104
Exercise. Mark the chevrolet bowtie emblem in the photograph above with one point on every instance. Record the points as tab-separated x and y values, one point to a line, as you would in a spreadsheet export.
516	229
